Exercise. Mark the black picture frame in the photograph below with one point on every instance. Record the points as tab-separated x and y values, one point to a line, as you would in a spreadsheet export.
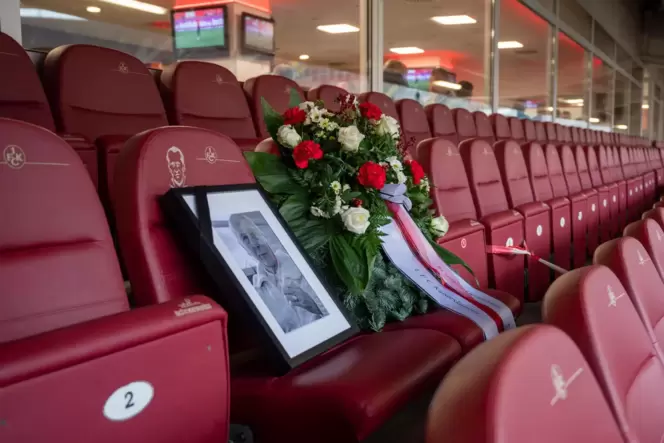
196	231
206	51
249	49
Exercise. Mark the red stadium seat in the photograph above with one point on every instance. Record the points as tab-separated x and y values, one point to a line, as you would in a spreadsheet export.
482	399
537	215
595	197
622	178
342	395
504	226
579	202
441	122
605	193
73	358
483	127
383	101
608	173
501	127
465	124
104	95
650	234
277	92
208	96
516	130
22	97
529	130
414	124
329	94
629	174
551	133
561	229
591	306
540	132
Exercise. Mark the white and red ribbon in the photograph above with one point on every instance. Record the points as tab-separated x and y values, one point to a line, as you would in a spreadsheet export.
517	250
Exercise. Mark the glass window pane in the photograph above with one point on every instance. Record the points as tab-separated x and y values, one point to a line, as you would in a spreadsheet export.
635	110
577	18
572	91
448	59
604	42
623	59
602	108
621	123
524	75
645	106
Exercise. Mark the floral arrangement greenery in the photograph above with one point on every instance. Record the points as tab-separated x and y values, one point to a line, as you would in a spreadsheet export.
327	181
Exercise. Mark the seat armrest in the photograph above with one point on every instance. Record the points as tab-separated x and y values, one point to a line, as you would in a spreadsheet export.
501	219
461	228
557	202
54	350
578	197
533	208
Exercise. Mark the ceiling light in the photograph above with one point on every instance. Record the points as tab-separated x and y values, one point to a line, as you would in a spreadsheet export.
549	108
448	85
572	101
622	127
593	120
338	29
304	57
407	50
646	106
134	4
45	13
454	20
510	45
93	9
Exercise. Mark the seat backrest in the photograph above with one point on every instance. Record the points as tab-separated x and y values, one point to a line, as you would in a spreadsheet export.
631	263
582	168
329	94
516	129
556	173
57	261
538	173
567	133
576	135
593	166
414	123
530	131
650	234
514	172
465	124
483	127
501	127
551	133
540	132
484	177
561	134
591	306
605	166
618	172
441	122
150	164
450	190
208	96
482	398
569	169
625	162
98	91
277	92
383	101
22	96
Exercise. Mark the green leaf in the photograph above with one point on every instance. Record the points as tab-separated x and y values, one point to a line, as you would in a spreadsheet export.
272	174
295	98
273	120
451	259
295	207
349	264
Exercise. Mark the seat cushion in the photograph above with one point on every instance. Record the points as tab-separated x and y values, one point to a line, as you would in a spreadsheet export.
345	394
500	219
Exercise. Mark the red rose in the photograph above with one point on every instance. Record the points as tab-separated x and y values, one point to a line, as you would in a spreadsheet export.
356	202
371	175
370	111
416	170
305	151
294	116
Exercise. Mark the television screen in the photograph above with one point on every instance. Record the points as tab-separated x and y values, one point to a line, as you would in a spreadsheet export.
258	33
200	28
419	78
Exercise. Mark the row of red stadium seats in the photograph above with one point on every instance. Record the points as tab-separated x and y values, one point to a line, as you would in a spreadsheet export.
597	375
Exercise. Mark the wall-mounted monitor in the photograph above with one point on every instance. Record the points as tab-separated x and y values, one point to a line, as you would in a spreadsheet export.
257	34
200	28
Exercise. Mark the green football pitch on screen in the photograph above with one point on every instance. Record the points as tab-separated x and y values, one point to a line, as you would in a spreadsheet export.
206	38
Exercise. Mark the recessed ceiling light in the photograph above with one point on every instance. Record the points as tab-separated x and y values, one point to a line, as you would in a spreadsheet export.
448	85
593	120
549	108
45	13
135	4
623	127
454	20
572	101
646	106
341	28
407	50
510	45
304	57
93	9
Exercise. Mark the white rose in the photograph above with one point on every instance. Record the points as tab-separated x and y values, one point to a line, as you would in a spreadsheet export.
350	138
305	106
388	125
439	226
288	136
401	177
356	220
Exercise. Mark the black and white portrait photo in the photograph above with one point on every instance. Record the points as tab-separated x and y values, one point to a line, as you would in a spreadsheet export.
270	269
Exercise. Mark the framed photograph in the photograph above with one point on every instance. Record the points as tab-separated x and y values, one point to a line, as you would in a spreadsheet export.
252	257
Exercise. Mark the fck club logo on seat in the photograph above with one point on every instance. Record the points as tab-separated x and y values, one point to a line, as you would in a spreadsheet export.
560	385
14	157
